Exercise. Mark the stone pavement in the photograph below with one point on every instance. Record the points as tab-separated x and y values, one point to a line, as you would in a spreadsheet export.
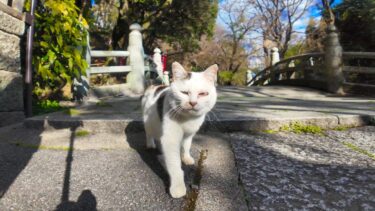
286	171
237	109
93	157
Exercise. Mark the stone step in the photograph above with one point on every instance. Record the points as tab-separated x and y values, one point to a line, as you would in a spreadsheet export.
237	109
117	124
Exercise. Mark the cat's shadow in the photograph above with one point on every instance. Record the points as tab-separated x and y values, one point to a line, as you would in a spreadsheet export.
136	138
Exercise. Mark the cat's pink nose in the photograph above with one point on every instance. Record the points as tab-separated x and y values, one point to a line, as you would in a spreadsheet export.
193	104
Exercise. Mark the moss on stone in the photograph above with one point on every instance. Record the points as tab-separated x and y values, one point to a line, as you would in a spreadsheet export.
72	112
81	133
35	146
269	131
298	128
103	104
358	149
341	128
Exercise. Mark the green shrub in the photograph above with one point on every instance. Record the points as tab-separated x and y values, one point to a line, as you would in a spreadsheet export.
59	47
239	78
225	77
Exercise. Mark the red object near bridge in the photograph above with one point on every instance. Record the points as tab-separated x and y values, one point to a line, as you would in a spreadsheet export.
164	61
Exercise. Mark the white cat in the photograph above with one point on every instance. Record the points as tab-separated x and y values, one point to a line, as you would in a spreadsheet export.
174	114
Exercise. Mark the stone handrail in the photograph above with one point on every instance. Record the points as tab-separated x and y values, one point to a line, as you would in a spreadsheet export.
137	63
309	70
289	65
359	70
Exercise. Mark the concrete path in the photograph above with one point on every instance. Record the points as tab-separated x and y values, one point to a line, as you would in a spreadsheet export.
237	109
62	170
93	157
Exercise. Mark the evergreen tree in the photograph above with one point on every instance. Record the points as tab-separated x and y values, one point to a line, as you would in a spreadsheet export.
315	34
180	23
355	20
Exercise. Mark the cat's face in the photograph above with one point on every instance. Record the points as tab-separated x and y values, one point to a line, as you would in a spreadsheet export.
194	93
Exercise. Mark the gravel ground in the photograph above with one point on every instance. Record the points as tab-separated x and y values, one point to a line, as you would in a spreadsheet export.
363	137
286	171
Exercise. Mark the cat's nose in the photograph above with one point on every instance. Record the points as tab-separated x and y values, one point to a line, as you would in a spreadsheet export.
193	104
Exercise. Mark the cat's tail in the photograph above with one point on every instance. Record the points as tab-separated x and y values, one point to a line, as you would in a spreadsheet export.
152	93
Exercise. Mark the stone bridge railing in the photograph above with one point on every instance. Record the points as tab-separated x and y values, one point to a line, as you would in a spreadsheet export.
137	64
310	70
333	70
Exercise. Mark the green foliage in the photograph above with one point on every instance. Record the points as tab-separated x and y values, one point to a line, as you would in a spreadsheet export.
176	22
60	41
298	128
239	78
294	50
46	106
225	77
315	34
355	21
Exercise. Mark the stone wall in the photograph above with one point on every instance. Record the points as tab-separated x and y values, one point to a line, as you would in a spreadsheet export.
11	80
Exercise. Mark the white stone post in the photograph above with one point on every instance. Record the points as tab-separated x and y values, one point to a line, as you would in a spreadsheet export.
157	60
275	57
292	64
166	78
249	77
136	78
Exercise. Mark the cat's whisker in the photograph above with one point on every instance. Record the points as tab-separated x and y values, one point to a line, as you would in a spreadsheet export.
217	124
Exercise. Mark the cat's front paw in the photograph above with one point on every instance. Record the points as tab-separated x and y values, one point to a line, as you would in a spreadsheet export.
188	160
177	191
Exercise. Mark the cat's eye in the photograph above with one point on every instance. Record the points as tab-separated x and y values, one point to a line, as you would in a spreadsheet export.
185	93
203	94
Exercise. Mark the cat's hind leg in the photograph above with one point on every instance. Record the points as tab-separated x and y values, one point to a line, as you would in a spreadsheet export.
185	150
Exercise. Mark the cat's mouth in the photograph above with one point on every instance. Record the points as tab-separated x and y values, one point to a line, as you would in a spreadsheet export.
193	111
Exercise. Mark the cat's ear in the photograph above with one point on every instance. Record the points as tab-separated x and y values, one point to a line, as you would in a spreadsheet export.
179	72
211	73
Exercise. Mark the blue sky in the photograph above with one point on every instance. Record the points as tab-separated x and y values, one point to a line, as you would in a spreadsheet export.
301	24
313	12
